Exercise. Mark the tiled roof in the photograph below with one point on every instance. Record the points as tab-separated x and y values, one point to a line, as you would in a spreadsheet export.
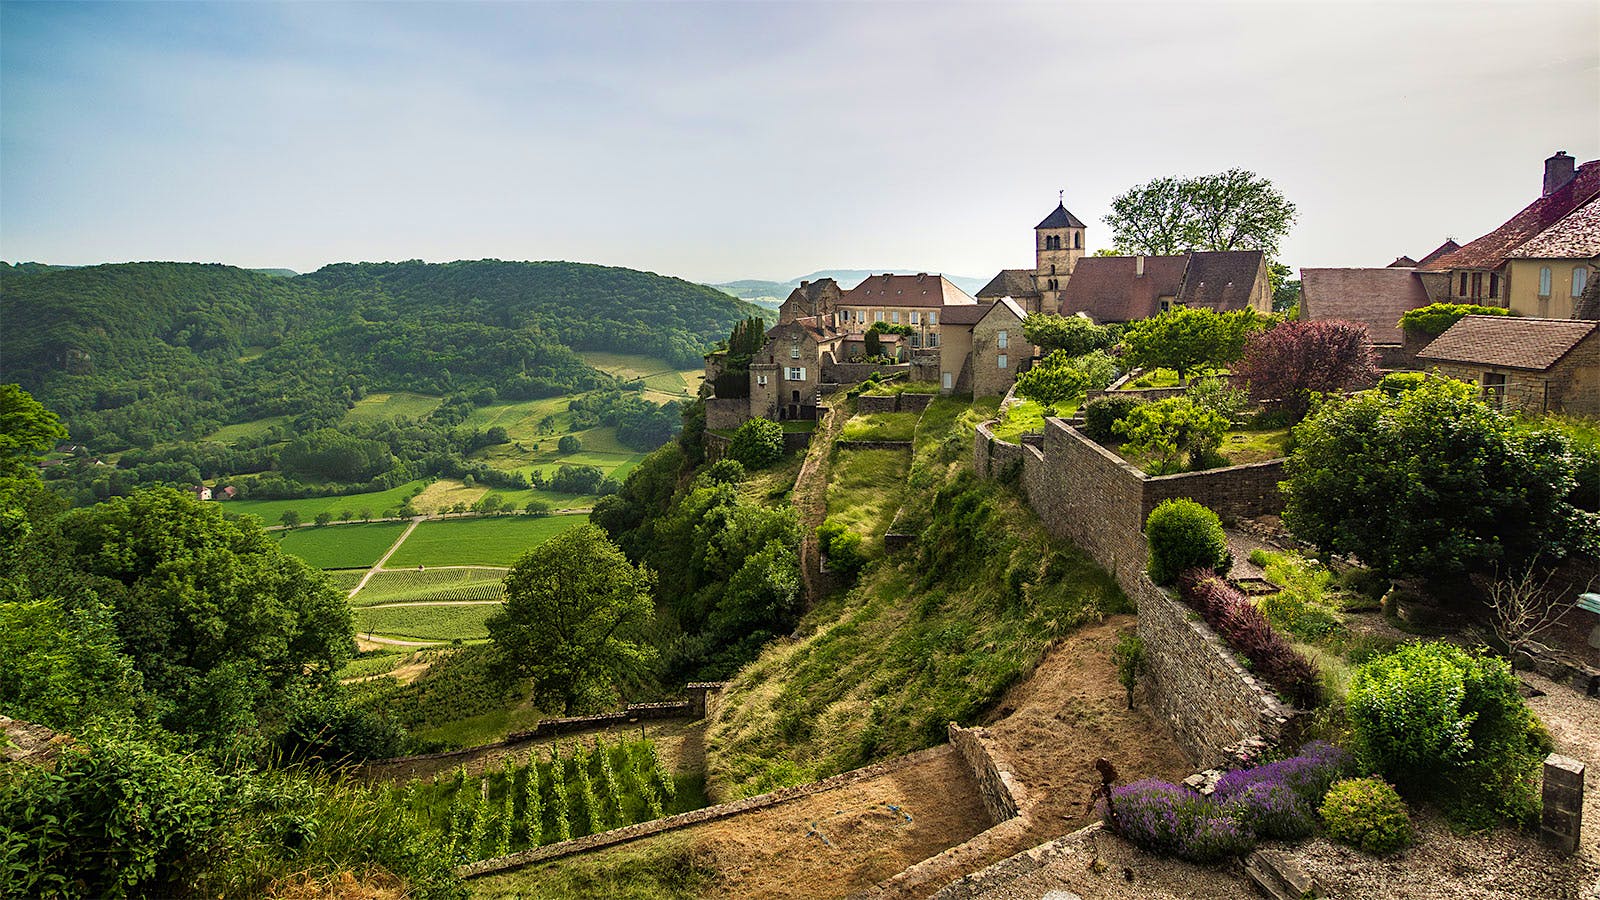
1374	297
966	314
1010	283
1060	218
1449	246
906	290
1491	250
1403	262
1221	281
1577	236
1106	288
1512	342
816	326
813	291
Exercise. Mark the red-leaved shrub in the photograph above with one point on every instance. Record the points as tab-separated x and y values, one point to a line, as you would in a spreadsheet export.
1246	630
1286	364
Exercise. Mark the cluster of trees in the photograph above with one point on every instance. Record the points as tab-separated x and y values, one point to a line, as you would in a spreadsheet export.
1232	210
742	345
728	569
640	424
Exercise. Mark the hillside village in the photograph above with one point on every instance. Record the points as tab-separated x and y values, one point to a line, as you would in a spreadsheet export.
1096	583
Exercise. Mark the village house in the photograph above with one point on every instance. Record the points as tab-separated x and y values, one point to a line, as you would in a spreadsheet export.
1526	364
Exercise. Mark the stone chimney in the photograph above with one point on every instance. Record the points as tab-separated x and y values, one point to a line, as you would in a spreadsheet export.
1138	266
1558	170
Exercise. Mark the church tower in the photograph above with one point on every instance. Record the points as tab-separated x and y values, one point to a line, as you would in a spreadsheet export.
1058	245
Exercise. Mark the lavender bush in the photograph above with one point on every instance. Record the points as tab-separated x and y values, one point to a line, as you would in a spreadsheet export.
1169	819
1308	775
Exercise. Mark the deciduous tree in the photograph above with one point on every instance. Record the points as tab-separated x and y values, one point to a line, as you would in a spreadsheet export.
1074	335
27	429
1187	340
1284	365
1232	210
574	617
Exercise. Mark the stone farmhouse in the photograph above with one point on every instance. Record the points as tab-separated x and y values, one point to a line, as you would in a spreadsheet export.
1537	264
1523	363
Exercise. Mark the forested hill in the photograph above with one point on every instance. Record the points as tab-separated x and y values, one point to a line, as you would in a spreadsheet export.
132	353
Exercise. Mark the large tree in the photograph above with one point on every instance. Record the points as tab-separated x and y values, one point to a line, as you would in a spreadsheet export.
1073	334
574	617
1432	482
1286	364
27	429
1232	210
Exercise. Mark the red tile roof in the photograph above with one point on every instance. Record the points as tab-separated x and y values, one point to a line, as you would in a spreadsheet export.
1449	246
906	290
1106	288
1374	297
1575	237
1221	280
1491	250
965	314
1512	342
1403	262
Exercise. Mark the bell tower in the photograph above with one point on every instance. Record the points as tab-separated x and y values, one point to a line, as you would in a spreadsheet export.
1058	245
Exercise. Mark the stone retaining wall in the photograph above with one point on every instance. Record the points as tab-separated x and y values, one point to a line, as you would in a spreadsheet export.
850	373
1198	685
727	413
873	445
1003	795
897	403
684	820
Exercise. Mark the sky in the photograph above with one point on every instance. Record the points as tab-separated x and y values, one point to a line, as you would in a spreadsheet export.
718	141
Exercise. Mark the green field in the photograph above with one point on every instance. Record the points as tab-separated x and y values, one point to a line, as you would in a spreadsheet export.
380	407
345	581
897	426
662	382
416	585
271	511
426	623
229	434
857	495
341	546
497	541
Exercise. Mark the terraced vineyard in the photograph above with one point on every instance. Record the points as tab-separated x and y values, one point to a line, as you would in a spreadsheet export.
418	622
418	586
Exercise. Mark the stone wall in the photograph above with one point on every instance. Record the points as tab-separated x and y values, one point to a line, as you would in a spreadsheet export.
726	413
1198	685
851	373
1234	492
873	445
1003	795
898	403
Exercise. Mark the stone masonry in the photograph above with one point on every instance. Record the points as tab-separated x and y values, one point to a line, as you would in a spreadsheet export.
1562	817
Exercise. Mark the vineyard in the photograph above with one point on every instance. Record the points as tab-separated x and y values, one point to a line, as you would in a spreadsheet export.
548	798
426	623
416	585
493	541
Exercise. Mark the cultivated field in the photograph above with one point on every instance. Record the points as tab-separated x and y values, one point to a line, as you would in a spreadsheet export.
662	382
381	407
340	546
426	623
496	541
376	503
435	585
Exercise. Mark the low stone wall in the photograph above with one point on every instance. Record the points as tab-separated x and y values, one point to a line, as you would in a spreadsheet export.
727	413
716	445
630	833
990	455
850	373
1234	492
898	403
1003	795
1197	683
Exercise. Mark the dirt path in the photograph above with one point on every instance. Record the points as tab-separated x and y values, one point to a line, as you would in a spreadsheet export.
827	845
378	566
367	642
810	496
404	674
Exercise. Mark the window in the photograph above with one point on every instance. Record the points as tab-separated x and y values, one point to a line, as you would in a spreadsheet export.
794	351
878	315
1463	290
933	339
1544	281
761	380
1001	340
1494	285
1580	279
796	373
1477	284
933	318
894	317
1077	240
916	341
1001	362
946	381
1494	389
916	318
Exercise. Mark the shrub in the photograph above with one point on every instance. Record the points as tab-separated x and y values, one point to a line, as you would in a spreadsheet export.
1288	364
1271	810
1172	820
725	471
1184	535
569	443
1368	814
1128	654
1436	318
1307	775
1299	607
1215	394
1396	383
842	546
1247	631
1102	413
757	444
1169	430
1438	720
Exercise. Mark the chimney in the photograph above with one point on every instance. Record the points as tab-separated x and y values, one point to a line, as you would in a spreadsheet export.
804	285
1138	266
1558	170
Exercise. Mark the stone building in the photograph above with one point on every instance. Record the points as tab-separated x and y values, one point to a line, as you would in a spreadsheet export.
916	301
1376	298
1547	275
1525	364
812	299
787	374
999	351
1057	248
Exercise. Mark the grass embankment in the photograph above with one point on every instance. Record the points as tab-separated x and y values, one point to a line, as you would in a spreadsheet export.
930	637
862	491
1027	417
895	388
492	541
897	426
662	870
341	546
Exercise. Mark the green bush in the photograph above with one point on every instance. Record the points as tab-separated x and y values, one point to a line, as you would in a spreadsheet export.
1301	606
757	444
725	471
1184	535
1368	814
1442	722
842	546
1128	654
1103	412
1396	383
1436	318
1168	430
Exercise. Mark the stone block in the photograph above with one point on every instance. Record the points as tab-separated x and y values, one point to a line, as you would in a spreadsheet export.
1561	822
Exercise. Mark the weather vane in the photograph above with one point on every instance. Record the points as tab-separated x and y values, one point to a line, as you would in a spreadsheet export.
1061	195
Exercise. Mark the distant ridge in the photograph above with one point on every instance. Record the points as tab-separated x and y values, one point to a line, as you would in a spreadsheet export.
757	289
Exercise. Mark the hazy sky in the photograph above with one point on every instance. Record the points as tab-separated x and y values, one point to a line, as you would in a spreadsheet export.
720	141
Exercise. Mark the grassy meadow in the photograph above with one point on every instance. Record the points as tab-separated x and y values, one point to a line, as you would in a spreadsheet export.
494	541
341	546
269	512
862	489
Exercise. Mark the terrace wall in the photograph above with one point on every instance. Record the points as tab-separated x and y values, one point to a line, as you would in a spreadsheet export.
904	402
726	413
850	373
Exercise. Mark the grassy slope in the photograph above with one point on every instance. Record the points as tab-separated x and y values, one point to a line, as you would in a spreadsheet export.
861	489
270	511
498	541
341	546
920	641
